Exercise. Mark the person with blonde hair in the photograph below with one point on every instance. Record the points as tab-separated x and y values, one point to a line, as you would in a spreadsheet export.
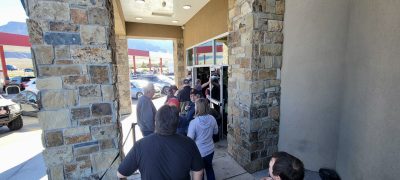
201	130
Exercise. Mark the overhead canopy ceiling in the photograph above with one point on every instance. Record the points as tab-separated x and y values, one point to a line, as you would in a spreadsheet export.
161	11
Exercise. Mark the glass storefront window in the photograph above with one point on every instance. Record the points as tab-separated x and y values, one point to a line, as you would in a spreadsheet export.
204	54
214	52
221	52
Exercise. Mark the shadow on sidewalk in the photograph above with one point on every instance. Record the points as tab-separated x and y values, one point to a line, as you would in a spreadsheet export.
33	168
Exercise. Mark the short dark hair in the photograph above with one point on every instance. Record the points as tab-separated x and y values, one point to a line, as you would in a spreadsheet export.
195	92
173	87
166	120
287	167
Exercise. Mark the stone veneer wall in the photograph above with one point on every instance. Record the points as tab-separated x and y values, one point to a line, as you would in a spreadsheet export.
255	59
122	67
179	62
73	48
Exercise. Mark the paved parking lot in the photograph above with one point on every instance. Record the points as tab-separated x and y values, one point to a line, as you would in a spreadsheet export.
21	152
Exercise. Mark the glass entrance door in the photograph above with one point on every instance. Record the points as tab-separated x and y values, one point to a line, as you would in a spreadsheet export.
219	95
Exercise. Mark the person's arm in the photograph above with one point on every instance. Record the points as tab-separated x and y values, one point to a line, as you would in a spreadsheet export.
130	164
189	114
191	133
215	130
198	175
178	95
206	84
119	175
266	178
145	112
197	165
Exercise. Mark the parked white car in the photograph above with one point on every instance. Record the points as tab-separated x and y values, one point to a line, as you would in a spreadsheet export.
31	86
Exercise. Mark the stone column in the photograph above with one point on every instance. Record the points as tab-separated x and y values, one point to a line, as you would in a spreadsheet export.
255	58
179	61
122	67
73	49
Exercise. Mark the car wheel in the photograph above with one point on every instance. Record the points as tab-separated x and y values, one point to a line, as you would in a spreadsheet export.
138	95
16	124
165	90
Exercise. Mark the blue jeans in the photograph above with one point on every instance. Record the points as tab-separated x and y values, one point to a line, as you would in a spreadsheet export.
146	133
207	160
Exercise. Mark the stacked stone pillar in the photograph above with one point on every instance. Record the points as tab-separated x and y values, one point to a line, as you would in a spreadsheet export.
73	48
255	59
179	61
122	69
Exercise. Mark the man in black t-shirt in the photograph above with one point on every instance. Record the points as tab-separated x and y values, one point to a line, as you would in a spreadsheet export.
184	95
164	154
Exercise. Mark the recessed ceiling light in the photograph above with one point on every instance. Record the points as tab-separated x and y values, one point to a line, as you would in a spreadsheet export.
174	21
138	18
140	1
187	7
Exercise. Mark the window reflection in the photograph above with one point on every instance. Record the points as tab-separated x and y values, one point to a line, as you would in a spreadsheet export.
214	52
204	54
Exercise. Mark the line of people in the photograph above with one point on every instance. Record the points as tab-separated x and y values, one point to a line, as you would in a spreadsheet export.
178	139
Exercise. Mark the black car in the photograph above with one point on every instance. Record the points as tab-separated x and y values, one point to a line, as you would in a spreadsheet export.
20	81
28	70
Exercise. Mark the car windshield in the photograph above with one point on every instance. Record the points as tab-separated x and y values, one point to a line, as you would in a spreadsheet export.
165	79
16	79
140	84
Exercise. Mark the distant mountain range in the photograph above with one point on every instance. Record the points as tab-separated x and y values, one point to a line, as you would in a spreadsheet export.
18	55
165	46
15	28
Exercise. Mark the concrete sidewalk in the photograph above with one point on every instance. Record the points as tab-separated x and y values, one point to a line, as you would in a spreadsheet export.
225	168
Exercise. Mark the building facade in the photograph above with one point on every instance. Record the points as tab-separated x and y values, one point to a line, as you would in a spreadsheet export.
315	78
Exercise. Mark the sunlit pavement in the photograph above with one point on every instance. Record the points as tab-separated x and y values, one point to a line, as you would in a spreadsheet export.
21	152
128	120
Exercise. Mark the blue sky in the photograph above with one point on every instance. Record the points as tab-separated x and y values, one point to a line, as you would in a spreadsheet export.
11	10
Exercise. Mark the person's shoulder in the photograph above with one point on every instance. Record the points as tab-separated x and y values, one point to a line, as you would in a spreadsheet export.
148	139
184	139
212	117
141	99
194	121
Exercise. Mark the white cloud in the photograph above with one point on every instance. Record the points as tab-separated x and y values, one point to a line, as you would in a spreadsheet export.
11	10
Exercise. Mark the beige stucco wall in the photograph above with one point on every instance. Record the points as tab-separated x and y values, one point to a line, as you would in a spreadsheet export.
340	92
312	80
210	21
369	144
119	19
152	31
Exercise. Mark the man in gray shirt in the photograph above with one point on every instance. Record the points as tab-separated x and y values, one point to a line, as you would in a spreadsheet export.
145	110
